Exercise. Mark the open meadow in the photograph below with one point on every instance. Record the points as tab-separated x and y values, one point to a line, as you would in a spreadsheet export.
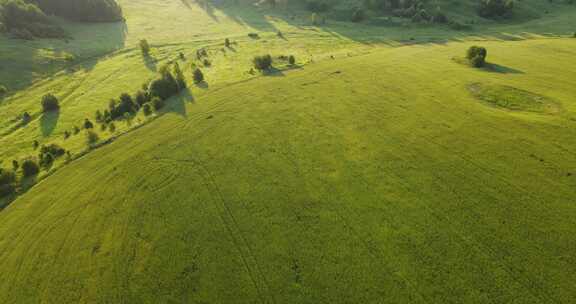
378	168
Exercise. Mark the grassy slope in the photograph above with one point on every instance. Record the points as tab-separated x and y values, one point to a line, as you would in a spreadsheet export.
109	62
360	180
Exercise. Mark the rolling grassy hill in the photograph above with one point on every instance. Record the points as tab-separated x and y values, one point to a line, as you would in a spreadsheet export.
391	173
377	177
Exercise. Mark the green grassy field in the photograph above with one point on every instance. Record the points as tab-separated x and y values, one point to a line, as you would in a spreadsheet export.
378	176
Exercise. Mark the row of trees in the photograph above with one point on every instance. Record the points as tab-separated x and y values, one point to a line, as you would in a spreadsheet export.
152	96
8	178
496	8
83	10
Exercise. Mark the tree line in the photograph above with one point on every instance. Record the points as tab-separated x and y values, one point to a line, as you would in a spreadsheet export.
28	19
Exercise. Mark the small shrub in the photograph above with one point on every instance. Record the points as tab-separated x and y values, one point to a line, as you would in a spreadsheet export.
292	60
262	63
227	42
99	116
49	153
7	177
50	103
92	137
112	127
147	109
46	160
141	98
7	180
53	149
157	103
3	90
198	76
30	168
253	35
15	165
66	135
76	130
26	118
201	53
145	47
476	55
207	63
88	125
35	144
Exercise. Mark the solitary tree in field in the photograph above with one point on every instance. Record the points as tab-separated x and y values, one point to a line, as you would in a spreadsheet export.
88	124
92	138
50	103
30	168
476	55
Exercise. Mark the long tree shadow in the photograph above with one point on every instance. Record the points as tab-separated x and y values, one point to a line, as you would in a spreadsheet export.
48	122
177	104
22	62
241	13
496	68
150	62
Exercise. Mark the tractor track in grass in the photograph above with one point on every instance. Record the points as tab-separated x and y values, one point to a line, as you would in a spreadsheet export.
253	268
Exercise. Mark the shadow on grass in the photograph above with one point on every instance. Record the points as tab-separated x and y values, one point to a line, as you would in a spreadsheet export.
24	61
48	122
177	104
273	72
203	85
150	62
496	68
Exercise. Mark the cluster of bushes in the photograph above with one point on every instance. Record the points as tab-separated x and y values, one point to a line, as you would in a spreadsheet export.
496	8
262	63
83	10
476	56
418	13
23	20
7	182
290	59
412	9
50	153
317	6
202	55
151	96
8	178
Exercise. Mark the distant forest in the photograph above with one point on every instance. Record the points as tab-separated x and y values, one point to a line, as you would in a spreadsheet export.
27	19
82	10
